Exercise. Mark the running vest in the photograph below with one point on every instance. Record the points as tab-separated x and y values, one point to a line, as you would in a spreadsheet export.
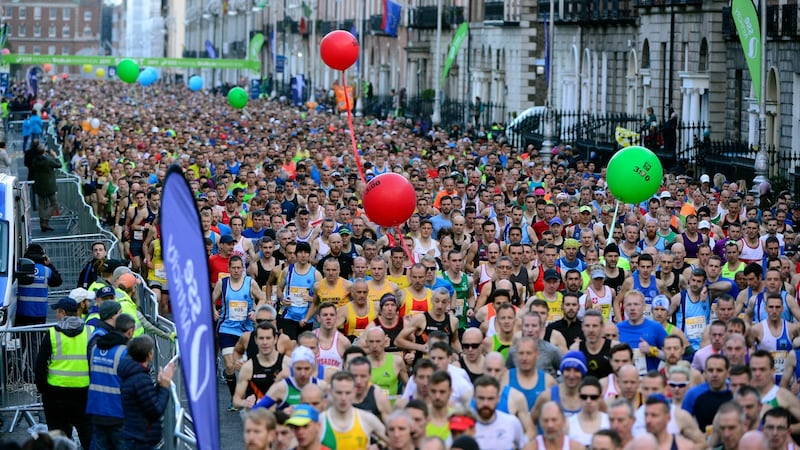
597	299
157	273
236	306
329	356
374	295
354	438
461	287
354	324
751	254
779	346
392	333
263	377
648	292
500	346
385	377
413	305
692	318
293	392
337	294
400	280
296	285
555	395
530	394
554	311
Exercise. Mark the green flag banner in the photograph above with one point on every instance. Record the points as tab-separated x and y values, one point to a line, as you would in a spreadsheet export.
458	38
163	63
254	51
747	25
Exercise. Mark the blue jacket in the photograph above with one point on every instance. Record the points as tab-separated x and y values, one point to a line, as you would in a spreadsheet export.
36	125
142	402
26	127
105	399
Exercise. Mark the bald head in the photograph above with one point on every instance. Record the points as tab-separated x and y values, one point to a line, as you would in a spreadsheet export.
494	357
551	409
627	372
472	333
645	441
753	440
312	395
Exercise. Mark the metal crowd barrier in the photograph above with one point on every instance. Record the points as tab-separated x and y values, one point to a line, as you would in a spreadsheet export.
19	347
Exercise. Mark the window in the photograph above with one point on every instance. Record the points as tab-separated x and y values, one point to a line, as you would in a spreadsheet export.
87	30
87	16
23	12
66	13
37	50
23	30
37	13
65	31
53	13
51	31
4	240
37	30
51	50
65	51
21	49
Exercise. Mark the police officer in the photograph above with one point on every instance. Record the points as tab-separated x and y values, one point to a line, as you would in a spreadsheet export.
62	372
32	301
104	404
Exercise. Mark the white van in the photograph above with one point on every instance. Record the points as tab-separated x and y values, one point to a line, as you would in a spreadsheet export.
14	239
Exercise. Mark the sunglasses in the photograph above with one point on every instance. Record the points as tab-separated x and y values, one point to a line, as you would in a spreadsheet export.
674	384
593	397
473	346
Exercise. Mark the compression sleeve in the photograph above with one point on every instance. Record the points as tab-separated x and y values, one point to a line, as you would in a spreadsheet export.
265	402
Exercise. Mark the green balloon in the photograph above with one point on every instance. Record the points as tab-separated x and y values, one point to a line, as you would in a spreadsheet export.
634	174
303	116
237	97
128	70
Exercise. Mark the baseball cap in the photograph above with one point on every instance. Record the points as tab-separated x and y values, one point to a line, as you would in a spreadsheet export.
660	301
388	297
789	249
585	208
67	304
704	178
704	224
106	291
226	239
598	273
551	274
108	309
230	198
555	220
665	194
345	230
302	415
81	294
574	360
538	191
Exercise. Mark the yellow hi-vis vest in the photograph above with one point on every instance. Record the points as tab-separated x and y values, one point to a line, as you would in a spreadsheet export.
69	366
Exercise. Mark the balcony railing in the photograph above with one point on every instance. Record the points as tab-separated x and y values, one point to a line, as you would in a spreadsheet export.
592	12
501	12
424	17
651	3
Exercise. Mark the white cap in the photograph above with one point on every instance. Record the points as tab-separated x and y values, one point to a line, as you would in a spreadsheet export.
704	178
704	224
666	194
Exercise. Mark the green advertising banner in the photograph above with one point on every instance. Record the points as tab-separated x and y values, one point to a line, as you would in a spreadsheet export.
747	25
162	63
455	46
254	50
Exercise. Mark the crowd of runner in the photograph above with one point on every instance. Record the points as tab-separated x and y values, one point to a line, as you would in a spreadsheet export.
521	316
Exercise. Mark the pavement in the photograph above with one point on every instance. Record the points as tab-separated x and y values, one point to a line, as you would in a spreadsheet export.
231	426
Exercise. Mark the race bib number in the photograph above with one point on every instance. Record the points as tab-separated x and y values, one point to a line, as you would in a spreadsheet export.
459	307
780	360
159	270
639	361
296	296
648	311
138	235
694	327
238	311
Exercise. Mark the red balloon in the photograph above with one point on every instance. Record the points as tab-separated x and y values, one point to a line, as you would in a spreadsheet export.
64	76
339	49
389	199
45	116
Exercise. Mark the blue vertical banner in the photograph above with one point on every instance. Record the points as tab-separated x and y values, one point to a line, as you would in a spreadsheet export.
255	87
546	51
183	250
212	53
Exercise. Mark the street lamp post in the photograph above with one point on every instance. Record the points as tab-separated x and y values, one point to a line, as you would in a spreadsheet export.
547	141
761	163
436	117
311	50
274	48
359	70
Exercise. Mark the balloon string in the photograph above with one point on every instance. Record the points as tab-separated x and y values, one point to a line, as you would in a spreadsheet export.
613	224
352	131
405	247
